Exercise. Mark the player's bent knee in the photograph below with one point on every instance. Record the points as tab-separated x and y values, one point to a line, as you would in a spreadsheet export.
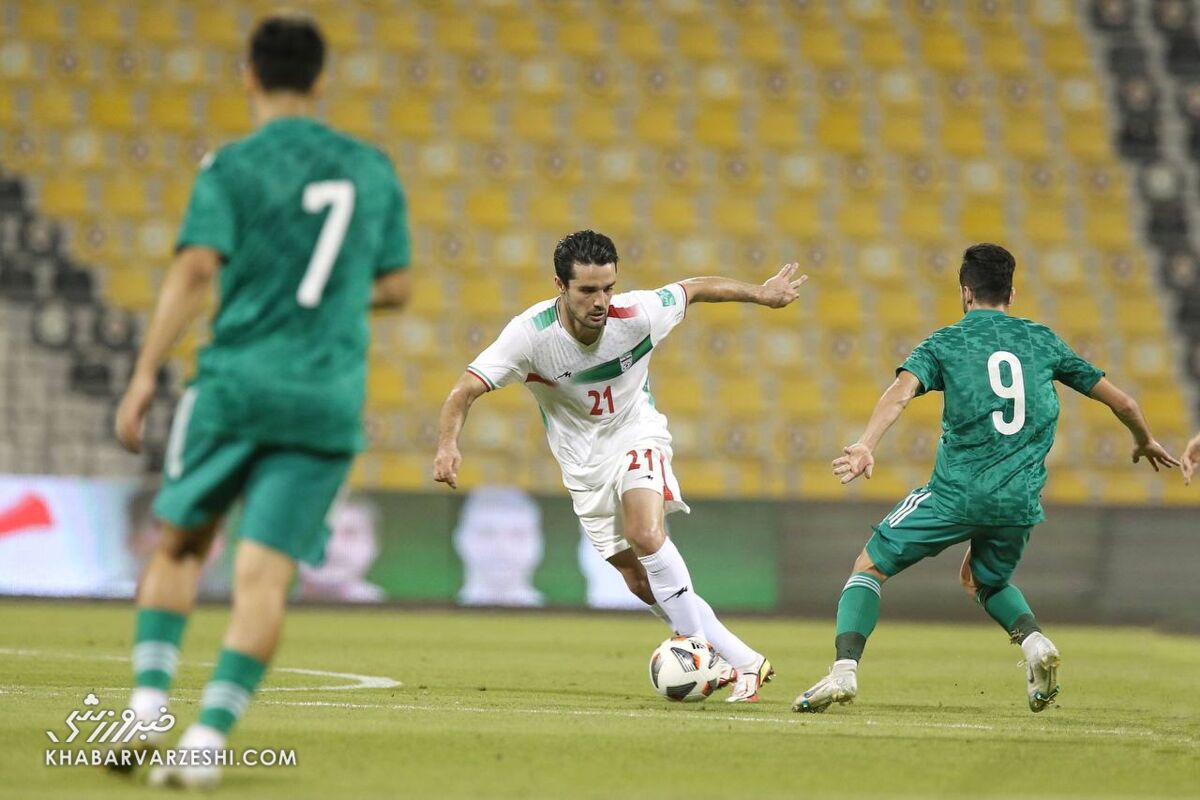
178	544
646	539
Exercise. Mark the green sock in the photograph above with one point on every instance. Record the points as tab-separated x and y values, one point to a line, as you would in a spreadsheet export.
1007	605
156	647
858	611
228	693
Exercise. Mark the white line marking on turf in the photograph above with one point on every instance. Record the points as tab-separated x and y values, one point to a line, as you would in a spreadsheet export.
357	681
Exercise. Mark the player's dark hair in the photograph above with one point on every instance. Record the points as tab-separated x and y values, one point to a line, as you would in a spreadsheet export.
987	270
582	247
287	52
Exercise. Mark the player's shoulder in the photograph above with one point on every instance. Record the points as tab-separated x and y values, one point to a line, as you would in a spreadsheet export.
538	317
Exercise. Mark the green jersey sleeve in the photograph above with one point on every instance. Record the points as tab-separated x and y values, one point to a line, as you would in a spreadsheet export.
209	221
1071	370
924	364
396	250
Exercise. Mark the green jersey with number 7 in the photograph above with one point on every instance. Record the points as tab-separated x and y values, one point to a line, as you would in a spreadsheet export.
305	219
1000	413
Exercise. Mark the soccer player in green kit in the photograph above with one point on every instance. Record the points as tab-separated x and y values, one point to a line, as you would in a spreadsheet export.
304	229
1001	409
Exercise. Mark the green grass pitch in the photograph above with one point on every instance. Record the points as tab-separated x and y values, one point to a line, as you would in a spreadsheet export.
547	705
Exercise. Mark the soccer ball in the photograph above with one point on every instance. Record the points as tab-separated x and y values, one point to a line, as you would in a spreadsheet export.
684	669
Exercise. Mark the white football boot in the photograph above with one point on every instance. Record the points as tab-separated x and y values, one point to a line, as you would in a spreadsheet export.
1041	670
726	673
749	681
839	686
193	775
148	705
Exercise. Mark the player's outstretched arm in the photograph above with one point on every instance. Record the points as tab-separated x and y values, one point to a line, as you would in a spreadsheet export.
391	290
1191	459
184	291
778	291
450	424
859	458
1130	414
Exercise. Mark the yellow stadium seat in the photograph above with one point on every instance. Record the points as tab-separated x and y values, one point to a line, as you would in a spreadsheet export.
640	38
1068	486
817	481
658	125
8	105
612	211
741	397
457	31
1068	54
904	134
386	386
1026	137
737	214
861	216
412	117
490	208
430	205
683	394
536	122
983	221
228	112
518	34
719	127
41	22
220	25
761	42
1109	228
595	124
1086	138
779	128
64	195
129	288
822	46
542	79
1004	52
963	135
840	129
399	28
125	195
883	48
101	20
1139	316
579	35
1046	223
158	23
674	213
923	217
53	104
800	216
699	39
474	122
171	110
839	306
354	114
944	50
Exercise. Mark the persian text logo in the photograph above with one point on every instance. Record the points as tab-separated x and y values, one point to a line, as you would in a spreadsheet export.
110	727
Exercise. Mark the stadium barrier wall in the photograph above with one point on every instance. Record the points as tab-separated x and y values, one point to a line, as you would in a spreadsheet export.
499	546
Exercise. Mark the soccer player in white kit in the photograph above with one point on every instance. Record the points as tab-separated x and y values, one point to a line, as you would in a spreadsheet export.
585	357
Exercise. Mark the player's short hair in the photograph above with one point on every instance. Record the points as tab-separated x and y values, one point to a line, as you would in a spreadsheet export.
987	269
582	247
287	52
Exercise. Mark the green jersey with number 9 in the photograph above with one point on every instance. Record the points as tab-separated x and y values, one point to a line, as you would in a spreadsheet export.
1001	410
305	218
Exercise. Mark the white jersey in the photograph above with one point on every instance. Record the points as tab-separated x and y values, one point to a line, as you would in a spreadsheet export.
595	398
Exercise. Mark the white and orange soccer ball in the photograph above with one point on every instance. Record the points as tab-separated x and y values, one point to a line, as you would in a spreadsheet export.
684	669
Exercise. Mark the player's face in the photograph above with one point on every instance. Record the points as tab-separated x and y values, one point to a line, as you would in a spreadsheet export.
588	294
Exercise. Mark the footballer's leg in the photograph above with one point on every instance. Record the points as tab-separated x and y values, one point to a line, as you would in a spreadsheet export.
724	641
287	498
986	572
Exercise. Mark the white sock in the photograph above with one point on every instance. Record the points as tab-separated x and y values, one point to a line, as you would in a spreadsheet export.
147	703
731	648
672	588
657	611
202	737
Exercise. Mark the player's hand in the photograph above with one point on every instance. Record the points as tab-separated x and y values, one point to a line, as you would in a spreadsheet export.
445	466
131	413
1191	459
857	460
1155	454
781	290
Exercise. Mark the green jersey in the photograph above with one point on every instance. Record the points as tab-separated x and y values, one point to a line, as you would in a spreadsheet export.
1000	413
305	218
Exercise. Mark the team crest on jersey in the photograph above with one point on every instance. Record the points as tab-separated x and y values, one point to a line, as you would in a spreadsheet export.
627	361
667	297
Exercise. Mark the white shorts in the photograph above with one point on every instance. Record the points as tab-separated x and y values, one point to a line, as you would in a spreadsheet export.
647	466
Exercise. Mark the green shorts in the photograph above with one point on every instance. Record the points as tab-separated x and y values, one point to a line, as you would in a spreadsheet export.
913	531
286	491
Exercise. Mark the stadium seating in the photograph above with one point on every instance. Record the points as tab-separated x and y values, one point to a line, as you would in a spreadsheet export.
869	141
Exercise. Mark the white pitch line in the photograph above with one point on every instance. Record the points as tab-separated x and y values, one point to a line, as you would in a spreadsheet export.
357	681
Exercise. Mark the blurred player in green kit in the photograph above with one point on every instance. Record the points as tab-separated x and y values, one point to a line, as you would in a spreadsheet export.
303	229
997	373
